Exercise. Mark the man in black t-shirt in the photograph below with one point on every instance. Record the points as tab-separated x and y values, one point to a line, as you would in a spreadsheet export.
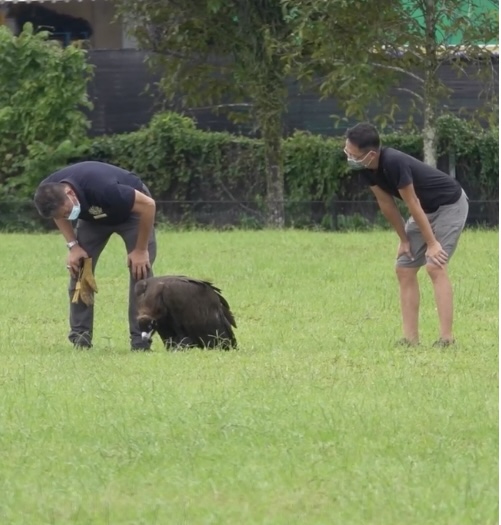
438	209
105	199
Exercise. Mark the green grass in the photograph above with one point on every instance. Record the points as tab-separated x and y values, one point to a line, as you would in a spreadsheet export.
316	419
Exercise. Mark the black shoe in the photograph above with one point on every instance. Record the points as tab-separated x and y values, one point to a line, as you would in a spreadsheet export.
77	346
444	343
141	349
406	343
81	341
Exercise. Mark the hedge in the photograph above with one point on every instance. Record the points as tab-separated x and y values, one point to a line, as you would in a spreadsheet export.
180	162
186	165
183	164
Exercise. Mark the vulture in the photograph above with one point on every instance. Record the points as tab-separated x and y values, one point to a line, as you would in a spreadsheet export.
185	313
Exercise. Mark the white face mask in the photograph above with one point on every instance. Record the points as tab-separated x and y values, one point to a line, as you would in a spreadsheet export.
357	164
75	211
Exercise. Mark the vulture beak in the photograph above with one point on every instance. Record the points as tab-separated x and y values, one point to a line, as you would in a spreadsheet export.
149	328
146	336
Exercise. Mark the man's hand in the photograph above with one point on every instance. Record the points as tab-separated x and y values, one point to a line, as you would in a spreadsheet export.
404	248
437	254
86	285
73	260
139	263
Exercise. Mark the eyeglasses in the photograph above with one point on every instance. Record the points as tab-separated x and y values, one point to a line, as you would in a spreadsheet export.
351	157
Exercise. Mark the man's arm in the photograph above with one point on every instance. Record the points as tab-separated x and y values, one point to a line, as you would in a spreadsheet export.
145	207
400	172
66	228
390	211
138	258
410	198
434	252
77	252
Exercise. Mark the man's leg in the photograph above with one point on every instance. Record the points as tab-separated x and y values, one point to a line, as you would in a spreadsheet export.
409	303
128	231
444	300
92	239
407	270
447	223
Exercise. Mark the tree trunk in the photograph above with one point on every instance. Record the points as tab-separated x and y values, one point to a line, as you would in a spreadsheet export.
270	110
275	212
430	85
429	135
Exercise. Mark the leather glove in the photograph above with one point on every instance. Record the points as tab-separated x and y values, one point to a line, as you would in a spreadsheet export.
86	284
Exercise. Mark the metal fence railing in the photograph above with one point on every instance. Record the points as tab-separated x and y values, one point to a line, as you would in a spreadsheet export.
333	216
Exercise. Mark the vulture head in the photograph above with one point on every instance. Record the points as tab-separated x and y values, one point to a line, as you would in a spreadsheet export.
185	312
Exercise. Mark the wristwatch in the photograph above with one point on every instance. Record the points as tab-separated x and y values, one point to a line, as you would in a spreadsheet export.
71	244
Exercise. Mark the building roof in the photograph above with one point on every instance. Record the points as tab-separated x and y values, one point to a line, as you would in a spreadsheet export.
38	1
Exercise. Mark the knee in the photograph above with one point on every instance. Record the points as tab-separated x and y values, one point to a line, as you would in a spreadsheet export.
406	275
435	272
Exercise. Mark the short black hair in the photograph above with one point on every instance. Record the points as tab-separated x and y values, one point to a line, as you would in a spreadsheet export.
364	136
49	198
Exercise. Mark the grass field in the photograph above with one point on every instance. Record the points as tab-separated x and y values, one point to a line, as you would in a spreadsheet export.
316	419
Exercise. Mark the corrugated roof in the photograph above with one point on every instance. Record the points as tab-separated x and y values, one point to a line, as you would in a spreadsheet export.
40	1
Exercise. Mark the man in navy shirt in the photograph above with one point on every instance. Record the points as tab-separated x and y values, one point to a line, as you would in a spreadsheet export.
438	209
105	199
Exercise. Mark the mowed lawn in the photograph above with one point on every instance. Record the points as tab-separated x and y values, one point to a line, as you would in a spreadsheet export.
317	418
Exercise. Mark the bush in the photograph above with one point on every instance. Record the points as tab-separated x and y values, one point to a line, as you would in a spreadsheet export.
181	162
187	167
44	88
477	154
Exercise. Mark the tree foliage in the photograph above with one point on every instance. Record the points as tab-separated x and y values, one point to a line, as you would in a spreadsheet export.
239	53
217	51
413	39
44	90
430	34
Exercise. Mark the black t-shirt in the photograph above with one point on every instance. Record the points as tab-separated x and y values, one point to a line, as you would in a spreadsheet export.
105	192
397	170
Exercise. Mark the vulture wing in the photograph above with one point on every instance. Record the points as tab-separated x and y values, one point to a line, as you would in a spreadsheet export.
198	310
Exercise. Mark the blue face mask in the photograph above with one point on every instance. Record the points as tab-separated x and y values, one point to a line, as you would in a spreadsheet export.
75	212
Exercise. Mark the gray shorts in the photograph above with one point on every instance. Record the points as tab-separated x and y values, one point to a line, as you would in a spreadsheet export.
447	224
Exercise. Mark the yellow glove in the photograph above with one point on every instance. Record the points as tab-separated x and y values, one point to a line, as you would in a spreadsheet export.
86	284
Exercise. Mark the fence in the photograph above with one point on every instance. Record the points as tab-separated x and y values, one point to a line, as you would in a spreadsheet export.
338	215
122	104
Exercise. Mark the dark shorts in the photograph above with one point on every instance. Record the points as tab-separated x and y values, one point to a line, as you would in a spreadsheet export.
447	224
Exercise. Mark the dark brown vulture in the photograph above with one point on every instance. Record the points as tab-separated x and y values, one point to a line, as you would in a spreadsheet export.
184	312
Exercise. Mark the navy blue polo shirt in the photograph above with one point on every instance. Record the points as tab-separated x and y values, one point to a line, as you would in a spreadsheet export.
105	192
396	170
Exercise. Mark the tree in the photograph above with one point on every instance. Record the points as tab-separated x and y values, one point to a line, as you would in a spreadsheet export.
434	33
43	95
416	37
241	52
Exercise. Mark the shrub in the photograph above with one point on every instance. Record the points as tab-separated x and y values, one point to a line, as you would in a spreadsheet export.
187	167
44	89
